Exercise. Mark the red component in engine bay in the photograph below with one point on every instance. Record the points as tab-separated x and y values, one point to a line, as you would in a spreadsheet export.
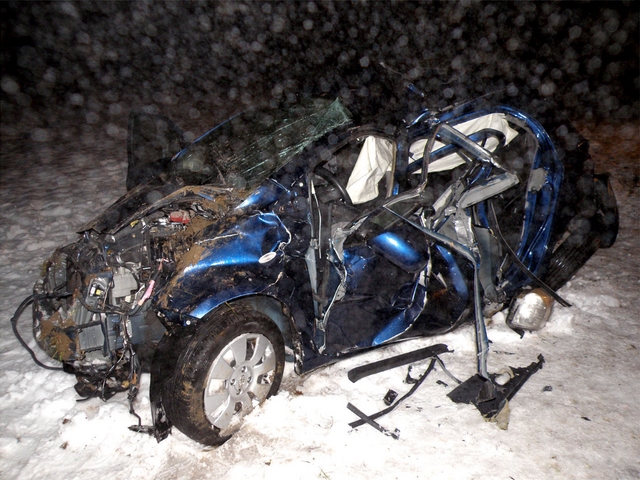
180	216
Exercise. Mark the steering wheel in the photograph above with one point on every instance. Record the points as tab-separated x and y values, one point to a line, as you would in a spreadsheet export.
331	178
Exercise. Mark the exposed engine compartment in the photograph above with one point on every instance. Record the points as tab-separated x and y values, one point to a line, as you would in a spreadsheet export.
94	297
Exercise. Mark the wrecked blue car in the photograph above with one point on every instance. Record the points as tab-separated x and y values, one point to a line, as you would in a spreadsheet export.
307	234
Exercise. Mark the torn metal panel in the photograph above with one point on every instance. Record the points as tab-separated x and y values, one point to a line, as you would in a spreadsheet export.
245	259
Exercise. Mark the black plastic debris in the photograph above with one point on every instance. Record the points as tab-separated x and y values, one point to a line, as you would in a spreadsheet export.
489	397
391	407
397	361
390	397
369	420
409	379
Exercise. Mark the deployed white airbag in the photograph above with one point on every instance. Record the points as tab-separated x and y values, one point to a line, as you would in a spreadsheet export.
374	160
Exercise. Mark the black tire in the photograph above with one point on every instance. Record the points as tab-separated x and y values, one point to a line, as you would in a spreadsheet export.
607	219
598	231
234	361
569	258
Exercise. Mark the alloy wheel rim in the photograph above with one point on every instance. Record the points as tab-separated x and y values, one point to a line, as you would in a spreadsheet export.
239	378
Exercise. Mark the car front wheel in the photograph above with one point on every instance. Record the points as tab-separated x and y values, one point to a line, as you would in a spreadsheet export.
233	362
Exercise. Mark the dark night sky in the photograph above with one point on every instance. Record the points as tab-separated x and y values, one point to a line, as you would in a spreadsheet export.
94	60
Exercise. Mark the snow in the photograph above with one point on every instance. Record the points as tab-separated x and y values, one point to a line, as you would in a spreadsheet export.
579	417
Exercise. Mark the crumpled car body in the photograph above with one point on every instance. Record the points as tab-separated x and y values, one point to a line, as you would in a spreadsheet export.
310	234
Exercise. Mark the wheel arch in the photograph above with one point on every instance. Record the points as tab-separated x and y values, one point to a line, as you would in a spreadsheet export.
176	339
279	313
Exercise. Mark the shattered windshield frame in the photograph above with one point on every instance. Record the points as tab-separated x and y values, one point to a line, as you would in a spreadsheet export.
246	149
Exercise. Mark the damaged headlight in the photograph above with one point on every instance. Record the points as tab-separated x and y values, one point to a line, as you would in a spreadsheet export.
530	310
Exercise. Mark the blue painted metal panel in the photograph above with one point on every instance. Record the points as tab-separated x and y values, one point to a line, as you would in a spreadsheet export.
245	259
398	251
357	262
263	196
405	319
243	244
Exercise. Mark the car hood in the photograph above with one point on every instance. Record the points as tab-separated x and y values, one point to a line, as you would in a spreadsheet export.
145	199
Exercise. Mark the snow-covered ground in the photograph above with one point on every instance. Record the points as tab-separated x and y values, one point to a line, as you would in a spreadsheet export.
579	417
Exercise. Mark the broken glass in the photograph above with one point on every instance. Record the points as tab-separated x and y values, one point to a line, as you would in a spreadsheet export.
246	149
